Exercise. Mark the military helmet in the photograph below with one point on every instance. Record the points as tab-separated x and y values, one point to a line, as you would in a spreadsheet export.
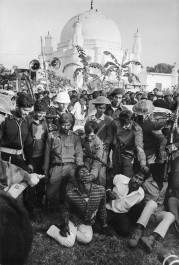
4	106
143	107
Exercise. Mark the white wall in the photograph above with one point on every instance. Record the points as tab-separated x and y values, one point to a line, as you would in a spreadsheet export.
153	78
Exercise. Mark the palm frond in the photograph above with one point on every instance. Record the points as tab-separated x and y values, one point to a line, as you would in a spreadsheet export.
69	65
76	73
96	65
110	70
112	56
95	77
109	63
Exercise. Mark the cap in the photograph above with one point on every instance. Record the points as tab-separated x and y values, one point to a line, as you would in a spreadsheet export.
101	100
66	117
143	107
63	97
117	91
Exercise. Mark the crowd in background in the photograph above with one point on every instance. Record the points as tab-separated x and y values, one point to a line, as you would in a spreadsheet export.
109	168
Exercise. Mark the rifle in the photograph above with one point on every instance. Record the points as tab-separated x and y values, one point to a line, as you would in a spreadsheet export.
89	154
169	156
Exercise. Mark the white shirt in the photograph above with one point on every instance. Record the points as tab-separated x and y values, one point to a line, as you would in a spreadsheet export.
77	111
124	201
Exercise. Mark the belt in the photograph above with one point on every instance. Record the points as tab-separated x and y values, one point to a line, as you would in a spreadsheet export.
62	164
11	151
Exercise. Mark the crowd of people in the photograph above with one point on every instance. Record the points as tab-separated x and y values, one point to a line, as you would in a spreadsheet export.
107	169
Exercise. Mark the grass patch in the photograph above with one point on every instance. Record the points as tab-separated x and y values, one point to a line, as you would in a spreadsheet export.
101	250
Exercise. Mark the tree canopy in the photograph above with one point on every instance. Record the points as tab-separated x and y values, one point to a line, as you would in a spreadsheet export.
160	68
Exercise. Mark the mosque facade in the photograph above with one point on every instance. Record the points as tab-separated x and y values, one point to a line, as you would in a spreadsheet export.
95	33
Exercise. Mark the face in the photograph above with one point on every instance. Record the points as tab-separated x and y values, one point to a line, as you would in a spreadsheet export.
40	115
136	181
117	99
65	127
126	125
139	97
23	112
101	108
62	106
83	175
91	137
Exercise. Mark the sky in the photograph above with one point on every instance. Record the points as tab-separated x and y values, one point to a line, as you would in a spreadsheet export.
22	22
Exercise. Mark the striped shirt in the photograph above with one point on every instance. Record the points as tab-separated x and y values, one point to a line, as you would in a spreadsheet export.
80	211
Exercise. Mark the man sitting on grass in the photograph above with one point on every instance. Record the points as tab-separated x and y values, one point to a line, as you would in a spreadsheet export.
155	189
125	202
84	201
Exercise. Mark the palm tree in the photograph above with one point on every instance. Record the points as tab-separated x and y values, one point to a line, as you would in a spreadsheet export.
122	69
84	69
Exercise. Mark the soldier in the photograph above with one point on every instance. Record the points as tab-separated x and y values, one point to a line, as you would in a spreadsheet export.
105	131
154	141
92	147
128	140
63	152
16	142
116	106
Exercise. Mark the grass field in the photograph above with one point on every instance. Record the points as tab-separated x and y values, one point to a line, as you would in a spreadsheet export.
101	250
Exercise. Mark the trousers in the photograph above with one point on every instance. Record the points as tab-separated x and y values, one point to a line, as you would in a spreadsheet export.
82	233
163	218
57	175
121	222
173	205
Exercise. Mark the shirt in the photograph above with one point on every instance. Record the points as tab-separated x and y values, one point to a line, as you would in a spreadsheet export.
130	140
16	134
39	131
81	212
124	201
96	148
63	148
152	192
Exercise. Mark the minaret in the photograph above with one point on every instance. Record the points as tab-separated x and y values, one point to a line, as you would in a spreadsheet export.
48	49
174	75
136	50
77	37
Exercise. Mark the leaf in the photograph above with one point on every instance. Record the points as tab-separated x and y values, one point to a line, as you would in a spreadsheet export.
70	64
76	73
108	64
96	65
112	56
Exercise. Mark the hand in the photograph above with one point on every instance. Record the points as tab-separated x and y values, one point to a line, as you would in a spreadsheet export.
172	117
145	169
52	127
64	230
171	148
110	195
106	231
106	146
30	169
34	179
87	178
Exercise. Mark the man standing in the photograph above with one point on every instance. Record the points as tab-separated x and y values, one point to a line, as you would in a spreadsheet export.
15	137
128	140
116	104
63	152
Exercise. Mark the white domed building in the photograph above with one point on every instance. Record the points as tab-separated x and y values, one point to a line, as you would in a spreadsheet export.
95	33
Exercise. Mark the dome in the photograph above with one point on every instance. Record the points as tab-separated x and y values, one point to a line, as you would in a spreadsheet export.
94	26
